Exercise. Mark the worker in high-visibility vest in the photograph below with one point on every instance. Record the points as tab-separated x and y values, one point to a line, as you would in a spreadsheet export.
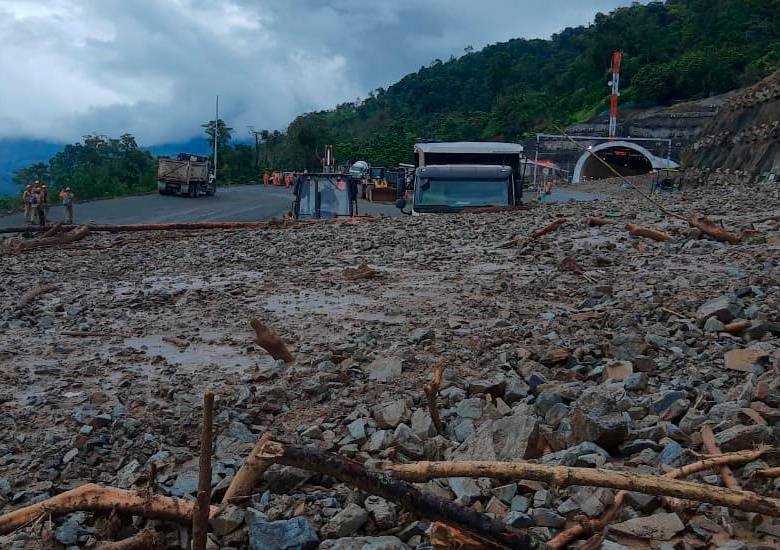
287	180
277	179
266	178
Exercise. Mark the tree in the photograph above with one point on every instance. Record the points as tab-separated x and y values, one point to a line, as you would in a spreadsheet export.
38	171
224	132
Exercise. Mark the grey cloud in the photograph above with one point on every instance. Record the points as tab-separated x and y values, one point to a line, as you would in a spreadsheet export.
153	67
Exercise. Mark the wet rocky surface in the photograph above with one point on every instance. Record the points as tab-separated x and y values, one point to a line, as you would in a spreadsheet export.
617	368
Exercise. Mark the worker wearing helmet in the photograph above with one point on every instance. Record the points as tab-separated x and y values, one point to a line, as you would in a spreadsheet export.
27	200
266	178
66	196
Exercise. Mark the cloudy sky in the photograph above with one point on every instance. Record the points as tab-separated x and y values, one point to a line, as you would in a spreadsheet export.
153	67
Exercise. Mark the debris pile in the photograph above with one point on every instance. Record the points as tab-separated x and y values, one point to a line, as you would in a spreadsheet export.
627	378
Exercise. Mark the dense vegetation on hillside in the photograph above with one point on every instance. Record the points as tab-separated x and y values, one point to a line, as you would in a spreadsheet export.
673	50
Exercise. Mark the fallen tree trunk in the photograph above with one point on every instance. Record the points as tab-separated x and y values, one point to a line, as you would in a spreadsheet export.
711	229
33	293
270	341
655	234
20	246
148	539
737	327
445	537
97	498
193	226
562	476
249	474
410	497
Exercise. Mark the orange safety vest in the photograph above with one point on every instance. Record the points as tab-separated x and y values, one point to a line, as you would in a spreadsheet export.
266	177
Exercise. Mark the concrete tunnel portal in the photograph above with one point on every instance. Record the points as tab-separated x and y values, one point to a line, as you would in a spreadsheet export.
627	158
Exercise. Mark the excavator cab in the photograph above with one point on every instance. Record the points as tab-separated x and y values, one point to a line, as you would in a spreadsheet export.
323	196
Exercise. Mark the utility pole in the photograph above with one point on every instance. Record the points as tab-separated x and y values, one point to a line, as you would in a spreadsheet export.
613	103
216	139
257	134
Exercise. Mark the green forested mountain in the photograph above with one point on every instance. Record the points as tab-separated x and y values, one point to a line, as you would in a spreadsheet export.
673	50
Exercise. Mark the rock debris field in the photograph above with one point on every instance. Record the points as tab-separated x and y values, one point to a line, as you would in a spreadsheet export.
586	347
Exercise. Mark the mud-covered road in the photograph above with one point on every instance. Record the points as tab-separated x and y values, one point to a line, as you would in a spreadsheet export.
242	203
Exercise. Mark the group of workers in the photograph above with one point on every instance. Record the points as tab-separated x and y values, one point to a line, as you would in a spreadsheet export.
279	179
35	199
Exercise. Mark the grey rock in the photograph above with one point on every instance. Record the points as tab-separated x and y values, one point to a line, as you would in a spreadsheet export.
509	438
407	442
505	493
740	438
519	520
662	526
608	430
520	504
724	308
464	429
636	381
383	369
465	488
345	523
422	425
495	386
383	512
364	543
547	518
290	534
422	334
713	324
516	389
357	430
389	415
569	457
68	531
229	519
469	408
627	347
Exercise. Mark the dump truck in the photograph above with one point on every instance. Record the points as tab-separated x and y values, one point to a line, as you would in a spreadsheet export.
323	196
458	176
186	175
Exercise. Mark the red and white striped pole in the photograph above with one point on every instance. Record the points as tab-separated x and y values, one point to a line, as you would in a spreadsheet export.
615	83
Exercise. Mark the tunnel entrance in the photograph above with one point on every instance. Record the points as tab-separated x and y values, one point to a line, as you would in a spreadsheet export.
627	158
626	161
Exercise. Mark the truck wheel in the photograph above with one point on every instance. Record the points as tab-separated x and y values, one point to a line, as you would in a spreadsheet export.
211	192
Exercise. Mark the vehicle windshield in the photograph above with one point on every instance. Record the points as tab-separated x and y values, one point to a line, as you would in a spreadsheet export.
462	193
333	194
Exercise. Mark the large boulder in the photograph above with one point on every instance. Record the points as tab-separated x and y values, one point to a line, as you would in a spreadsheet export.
514	437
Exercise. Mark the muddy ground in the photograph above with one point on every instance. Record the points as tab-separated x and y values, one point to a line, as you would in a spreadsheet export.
523	335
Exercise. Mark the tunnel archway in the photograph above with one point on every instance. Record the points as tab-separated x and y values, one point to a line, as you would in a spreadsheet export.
629	159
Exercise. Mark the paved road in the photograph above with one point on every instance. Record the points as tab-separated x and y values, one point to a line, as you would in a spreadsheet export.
242	203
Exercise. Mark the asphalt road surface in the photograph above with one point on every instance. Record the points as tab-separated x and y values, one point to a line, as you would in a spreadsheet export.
240	203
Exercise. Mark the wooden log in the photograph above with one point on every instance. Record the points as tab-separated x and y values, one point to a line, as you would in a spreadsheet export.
147	539
249	474
737	327
53	230
33	293
767	472
98	498
655	234
562	476
431	391
547	229
404	494
63	238
363	271
598	222
711	229
270	341
194	226
200	516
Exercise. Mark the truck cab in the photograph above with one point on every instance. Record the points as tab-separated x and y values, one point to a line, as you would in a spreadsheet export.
453	177
323	196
